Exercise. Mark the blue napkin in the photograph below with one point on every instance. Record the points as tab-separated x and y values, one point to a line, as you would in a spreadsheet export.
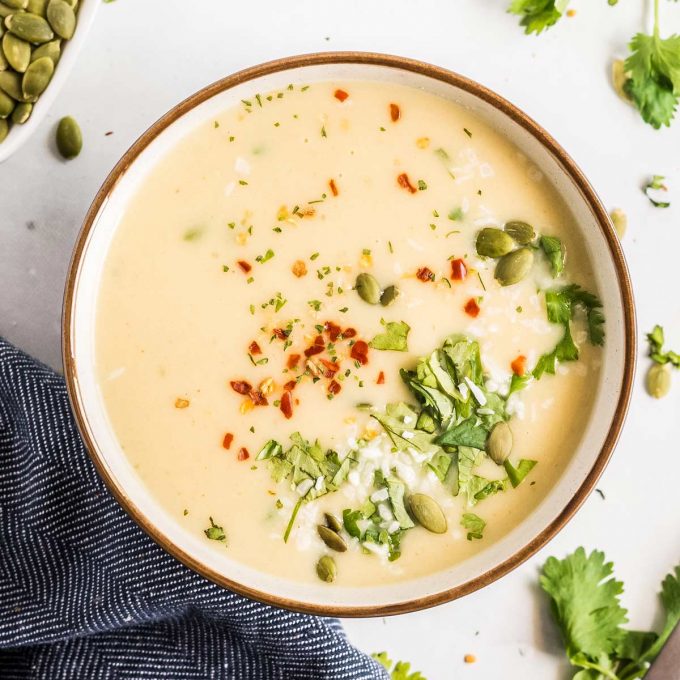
85	593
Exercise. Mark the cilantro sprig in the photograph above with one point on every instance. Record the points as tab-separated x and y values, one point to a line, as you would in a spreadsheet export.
401	670
538	15
656	353
585	599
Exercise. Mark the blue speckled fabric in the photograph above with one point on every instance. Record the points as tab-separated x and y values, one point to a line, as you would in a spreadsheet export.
85	593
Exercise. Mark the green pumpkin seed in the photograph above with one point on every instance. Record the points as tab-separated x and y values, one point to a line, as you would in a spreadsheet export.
326	569
22	113
16	51
427	513
389	295
37	77
332	522
620	221
333	540
6	105
73	4
492	242
521	232
368	288
4	129
10	83
513	267
69	137
29	27
62	18
658	380
38	7
16	4
499	443
51	49
8	11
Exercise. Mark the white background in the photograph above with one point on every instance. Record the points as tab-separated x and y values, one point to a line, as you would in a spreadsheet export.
143	57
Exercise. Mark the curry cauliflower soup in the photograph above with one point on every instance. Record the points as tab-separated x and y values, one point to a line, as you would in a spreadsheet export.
347	332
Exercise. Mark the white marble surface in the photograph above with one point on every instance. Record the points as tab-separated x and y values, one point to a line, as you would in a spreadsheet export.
143	57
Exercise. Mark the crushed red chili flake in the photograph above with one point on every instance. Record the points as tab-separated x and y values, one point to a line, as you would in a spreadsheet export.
316	348
519	365
228	439
258	398
293	360
331	368
404	182
425	274
287	405
244	266
333	330
395	112
458	269
281	333
241	386
381	378
334	387
349	333
254	348
243	453
471	308
340	95
333	187
359	352
290	385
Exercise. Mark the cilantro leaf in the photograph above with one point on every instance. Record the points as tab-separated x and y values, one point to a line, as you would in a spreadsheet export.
555	252
670	599
215	532
474	524
656	353
401	670
655	186
565	350
394	338
537	15
518	382
654	76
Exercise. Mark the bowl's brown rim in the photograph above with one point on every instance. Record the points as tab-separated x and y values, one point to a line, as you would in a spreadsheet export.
519	117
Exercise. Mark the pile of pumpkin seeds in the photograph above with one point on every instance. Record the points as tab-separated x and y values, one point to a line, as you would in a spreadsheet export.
32	33
514	263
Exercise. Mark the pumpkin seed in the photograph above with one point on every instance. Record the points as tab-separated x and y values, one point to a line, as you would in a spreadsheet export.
499	443
16	51
427	513
4	64
51	49
22	113
368	288
619	78
16	4
521	232
4	129
37	77
38	7
29	27
6	11
326	569
69	137
332	522
389	295
620	221
513	267
333	540
492	242
658	380
62	18
10	83
6	105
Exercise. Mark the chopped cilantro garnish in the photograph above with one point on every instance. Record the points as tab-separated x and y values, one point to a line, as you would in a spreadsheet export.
656	353
394	338
215	532
655	185
474	525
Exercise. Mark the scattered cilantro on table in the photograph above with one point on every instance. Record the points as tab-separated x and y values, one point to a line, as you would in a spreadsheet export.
586	606
656	353
401	670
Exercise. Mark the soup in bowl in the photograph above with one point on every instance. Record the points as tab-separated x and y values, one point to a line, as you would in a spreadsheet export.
349	334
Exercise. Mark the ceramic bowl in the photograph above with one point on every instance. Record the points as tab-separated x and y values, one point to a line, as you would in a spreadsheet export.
612	390
18	134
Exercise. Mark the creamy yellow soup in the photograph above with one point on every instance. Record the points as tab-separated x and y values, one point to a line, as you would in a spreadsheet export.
241	304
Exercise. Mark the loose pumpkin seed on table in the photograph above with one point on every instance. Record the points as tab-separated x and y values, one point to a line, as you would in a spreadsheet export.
69	138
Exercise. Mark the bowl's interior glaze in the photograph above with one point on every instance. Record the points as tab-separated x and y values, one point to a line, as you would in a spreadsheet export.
588	460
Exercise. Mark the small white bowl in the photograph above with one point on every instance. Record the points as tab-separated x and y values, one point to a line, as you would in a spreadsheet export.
587	461
18	134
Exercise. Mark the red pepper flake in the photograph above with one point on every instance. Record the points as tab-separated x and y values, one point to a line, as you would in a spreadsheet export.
425	274
281	333
519	365
333	187
458	269
258	398
241	386
290	385
359	352
334	387
349	333
404	182
254	348
244	266
293	360
316	348
340	95
381	378
333	330
331	368
228	439
395	112
471	308
243	453
287	405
